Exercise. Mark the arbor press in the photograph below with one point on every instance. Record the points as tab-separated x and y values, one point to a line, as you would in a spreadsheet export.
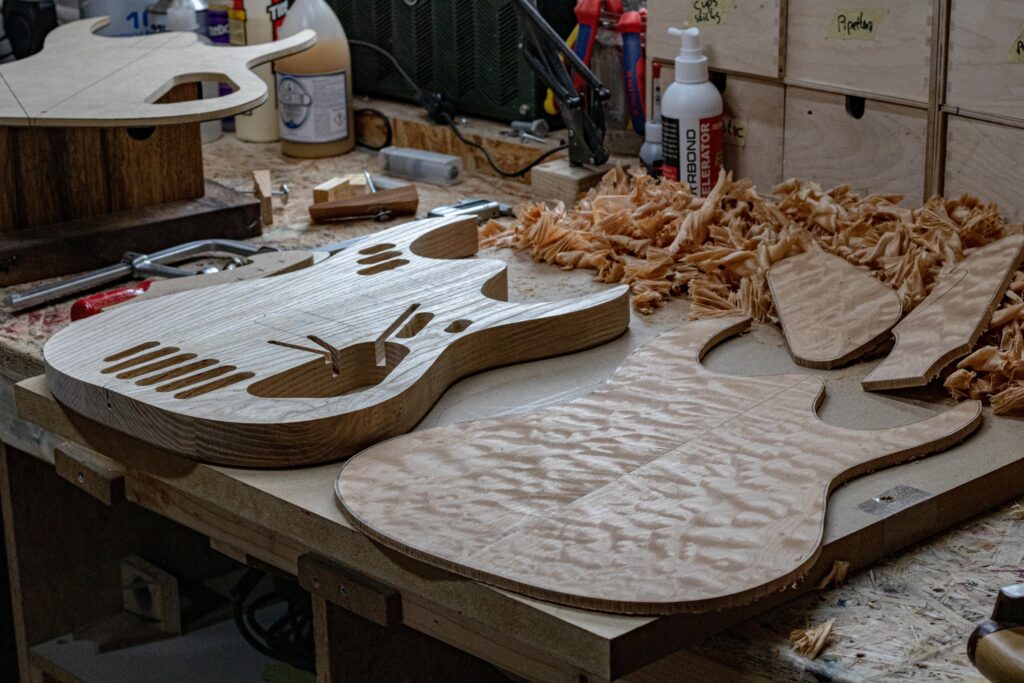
100	147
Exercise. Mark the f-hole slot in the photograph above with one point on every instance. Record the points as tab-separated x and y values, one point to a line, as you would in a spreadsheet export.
357	366
855	106
415	326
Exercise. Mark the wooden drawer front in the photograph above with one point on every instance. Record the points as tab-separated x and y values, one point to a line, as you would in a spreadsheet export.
882	152
986	160
985	67
742	36
753	118
880	48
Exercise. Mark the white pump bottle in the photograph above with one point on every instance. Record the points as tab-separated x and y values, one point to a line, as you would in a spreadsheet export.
691	119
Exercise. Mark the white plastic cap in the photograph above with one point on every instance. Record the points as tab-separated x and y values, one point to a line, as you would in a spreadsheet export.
181	17
691	64
652	131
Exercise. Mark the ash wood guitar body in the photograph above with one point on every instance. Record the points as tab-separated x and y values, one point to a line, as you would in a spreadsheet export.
671	489
947	324
315	365
830	311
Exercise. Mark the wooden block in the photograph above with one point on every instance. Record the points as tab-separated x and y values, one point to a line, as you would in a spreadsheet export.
949	321
330	190
671	489
264	193
97	475
558	180
881	49
881	152
985	63
401	201
753	120
90	243
742	36
59	174
64	174
347	588
154	165
151	593
986	160
361	358
8	175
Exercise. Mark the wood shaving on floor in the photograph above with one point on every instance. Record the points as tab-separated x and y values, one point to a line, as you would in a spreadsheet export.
663	242
809	642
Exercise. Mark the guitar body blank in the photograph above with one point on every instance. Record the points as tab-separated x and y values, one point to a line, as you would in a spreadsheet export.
315	365
670	489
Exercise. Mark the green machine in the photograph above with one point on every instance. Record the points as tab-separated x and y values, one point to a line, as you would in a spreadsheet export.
466	49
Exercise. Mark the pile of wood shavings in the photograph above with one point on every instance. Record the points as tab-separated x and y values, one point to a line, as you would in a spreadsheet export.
662	241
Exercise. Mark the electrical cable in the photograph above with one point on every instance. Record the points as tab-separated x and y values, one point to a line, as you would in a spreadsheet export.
393	60
290	638
487	155
438	108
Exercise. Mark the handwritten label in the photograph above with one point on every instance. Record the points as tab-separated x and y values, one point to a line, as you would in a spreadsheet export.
734	131
1017	50
855	24
709	12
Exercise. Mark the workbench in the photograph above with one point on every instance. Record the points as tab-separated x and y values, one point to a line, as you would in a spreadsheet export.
905	617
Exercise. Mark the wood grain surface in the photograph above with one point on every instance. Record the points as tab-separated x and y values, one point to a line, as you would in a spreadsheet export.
947	323
883	151
986	160
830	311
81	79
315	365
878	48
671	489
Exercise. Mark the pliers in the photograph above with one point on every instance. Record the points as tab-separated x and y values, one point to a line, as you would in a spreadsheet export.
631	26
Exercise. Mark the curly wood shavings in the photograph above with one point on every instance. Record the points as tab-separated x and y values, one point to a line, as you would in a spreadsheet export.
1016	511
836	577
809	642
664	242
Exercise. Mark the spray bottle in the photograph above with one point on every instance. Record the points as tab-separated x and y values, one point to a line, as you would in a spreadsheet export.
691	119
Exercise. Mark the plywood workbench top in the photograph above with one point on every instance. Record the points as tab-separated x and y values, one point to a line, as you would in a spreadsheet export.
907	618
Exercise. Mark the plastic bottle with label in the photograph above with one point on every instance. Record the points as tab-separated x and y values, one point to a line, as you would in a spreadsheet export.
252	22
691	119
314	87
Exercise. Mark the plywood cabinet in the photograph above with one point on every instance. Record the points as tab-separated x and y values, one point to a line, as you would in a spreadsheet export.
882	49
985	66
987	160
740	36
876	147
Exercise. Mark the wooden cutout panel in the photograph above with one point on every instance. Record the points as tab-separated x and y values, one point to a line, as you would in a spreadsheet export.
81	79
830	311
671	489
947	323
315	365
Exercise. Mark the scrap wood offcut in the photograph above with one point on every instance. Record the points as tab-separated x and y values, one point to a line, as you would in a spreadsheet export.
663	241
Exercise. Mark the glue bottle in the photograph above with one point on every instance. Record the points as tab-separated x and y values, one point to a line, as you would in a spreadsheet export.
691	119
253	22
314	88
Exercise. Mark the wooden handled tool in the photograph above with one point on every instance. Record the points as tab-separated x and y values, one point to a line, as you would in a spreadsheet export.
996	647
382	205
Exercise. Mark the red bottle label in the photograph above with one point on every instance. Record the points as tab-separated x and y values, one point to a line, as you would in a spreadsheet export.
693	152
